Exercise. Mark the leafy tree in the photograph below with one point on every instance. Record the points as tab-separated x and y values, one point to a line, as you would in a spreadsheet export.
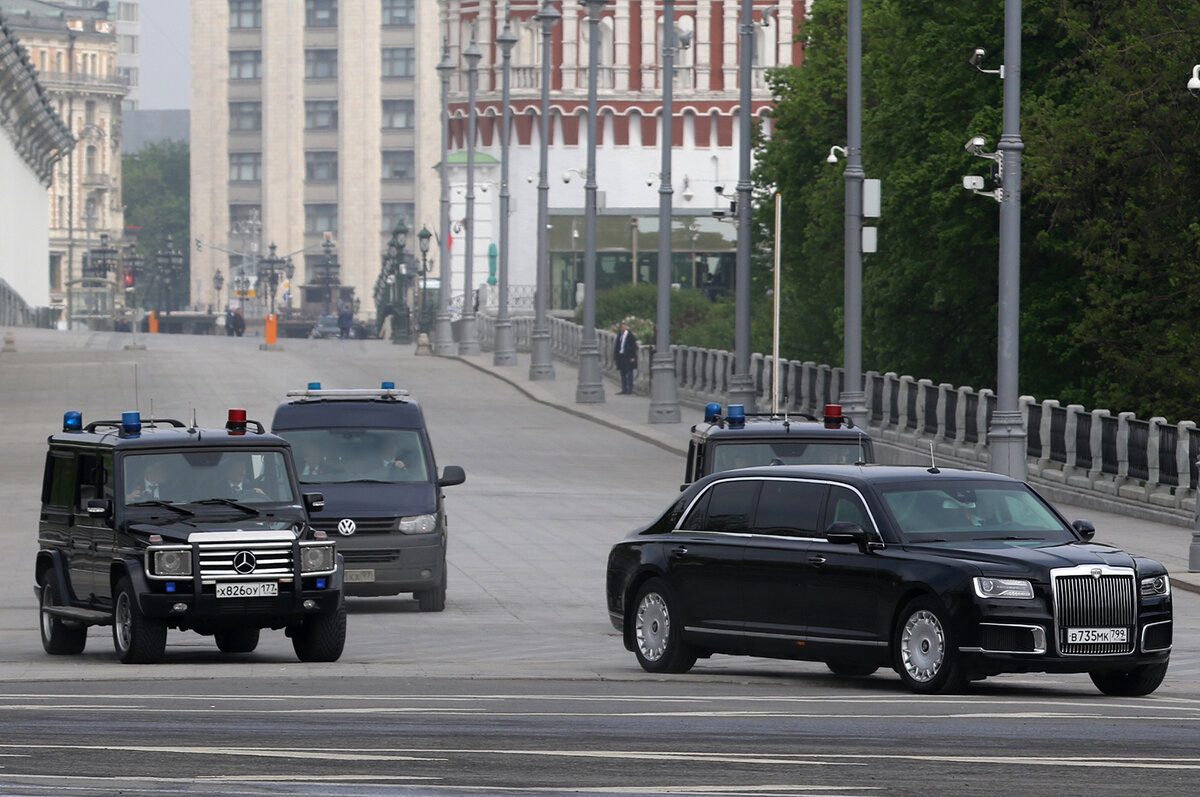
156	189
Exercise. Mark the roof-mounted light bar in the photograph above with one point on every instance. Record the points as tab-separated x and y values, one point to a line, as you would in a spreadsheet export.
350	392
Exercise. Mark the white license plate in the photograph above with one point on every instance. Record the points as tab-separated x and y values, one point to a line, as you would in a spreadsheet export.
254	589
360	575
1097	636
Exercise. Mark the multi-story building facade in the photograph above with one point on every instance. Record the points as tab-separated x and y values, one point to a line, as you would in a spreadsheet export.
32	139
75	53
127	15
630	89
305	123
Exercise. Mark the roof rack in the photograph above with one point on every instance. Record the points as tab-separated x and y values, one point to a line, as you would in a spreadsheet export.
118	425
365	392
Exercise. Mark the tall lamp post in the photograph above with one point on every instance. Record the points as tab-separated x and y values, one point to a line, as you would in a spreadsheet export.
328	268
852	397
170	268
393	279
590	389
741	384
443	333
423	243
504	351
218	283
269	269
664	402
541	362
468	344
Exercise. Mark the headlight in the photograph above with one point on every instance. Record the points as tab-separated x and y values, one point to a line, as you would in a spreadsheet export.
316	558
1156	587
173	563
1003	588
417	524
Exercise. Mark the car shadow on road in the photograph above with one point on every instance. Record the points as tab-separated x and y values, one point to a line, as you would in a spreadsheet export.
392	605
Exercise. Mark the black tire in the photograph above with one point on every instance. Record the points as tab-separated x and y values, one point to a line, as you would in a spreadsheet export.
433	600
851	669
322	636
59	637
137	638
926	655
1135	682
237	640
657	629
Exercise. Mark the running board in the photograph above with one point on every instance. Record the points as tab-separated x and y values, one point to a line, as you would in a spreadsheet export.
86	616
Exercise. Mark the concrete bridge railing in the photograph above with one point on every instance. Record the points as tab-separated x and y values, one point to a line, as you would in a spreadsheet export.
1115	462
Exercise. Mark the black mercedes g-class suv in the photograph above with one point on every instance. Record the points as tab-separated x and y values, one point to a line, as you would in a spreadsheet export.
368	451
739	439
162	525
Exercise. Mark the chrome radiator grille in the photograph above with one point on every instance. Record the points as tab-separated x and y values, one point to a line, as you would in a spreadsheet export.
228	561
1095	597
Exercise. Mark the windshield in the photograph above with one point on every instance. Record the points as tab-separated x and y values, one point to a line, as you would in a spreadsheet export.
244	477
962	510
358	455
728	456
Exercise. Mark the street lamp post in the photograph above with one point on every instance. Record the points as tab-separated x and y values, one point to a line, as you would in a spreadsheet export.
541	362
852	397
423	243
328	268
269	269
741	383
443	333
590	389
393	278
664	402
504	351
170	267
218	283
289	269
468	344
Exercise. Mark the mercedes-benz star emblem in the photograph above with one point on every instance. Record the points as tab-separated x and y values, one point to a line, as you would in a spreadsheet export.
1096	572
346	526
244	562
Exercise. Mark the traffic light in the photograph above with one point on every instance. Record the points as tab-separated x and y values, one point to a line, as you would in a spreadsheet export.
129	276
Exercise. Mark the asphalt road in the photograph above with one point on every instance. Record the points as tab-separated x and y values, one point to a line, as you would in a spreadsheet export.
520	685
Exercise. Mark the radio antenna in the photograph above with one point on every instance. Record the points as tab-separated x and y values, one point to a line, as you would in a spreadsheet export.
136	401
933	468
862	453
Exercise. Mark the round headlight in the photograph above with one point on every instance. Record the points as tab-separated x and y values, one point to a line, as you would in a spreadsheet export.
316	558
172	563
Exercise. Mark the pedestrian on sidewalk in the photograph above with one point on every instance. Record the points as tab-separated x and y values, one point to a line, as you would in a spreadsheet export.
625	355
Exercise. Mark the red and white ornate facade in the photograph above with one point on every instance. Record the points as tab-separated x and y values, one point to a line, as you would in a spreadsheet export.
630	80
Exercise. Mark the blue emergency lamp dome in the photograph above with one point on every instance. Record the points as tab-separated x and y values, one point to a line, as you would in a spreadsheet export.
314	385
131	423
72	421
712	412
388	386
736	416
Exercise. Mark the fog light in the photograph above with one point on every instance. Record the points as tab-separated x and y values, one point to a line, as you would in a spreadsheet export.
179	607
310	604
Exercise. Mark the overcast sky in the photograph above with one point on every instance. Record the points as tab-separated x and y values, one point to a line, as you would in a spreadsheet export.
166	69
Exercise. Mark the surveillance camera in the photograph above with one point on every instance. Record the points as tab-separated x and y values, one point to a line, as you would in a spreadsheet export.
720	189
649	181
977	56
1194	84
976	144
529	179
718	213
973	182
688	195
566	177
832	158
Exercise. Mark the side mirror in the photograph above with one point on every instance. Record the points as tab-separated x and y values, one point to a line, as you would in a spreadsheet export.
846	533
100	507
1085	529
314	502
452	475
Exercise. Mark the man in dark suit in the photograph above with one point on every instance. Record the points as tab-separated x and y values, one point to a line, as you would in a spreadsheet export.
625	355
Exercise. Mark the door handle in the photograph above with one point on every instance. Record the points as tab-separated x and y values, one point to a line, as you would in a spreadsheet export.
678	552
816	560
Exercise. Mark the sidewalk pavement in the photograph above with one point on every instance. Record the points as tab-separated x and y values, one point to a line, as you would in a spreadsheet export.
630	415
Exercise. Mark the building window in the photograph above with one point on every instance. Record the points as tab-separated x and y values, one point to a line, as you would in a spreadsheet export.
320	165
127	12
320	64
397	114
319	219
245	167
245	13
126	44
398	211
245	116
320	13
91	161
129	74
245	64
244	217
398	62
89	112
321	115
399	12
398	164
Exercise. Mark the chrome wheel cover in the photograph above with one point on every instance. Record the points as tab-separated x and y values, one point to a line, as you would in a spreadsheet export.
923	646
123	621
652	626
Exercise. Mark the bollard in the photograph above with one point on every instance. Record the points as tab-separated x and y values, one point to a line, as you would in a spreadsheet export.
423	344
270	333
10	342
153	322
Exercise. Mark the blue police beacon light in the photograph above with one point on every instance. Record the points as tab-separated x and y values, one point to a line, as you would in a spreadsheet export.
712	412
388	386
736	416
72	421
314	385
131	423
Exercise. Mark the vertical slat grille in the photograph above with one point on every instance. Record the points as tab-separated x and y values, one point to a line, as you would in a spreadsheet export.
1087	601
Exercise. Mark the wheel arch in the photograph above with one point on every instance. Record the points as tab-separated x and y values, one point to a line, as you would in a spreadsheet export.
631	590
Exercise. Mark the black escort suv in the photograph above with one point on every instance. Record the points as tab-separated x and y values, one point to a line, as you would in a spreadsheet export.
367	450
945	576
157	526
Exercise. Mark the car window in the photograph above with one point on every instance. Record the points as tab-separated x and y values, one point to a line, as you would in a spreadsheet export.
248	477
358	455
788	507
698	517
60	479
972	510
89	478
731	455
731	505
846	507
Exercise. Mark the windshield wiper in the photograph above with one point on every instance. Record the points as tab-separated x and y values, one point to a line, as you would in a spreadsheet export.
164	505
249	510
1010	537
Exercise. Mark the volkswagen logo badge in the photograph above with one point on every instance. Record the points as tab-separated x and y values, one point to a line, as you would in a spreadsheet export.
1096	572
244	562
346	526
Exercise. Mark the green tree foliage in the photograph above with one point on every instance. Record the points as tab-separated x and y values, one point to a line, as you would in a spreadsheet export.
156	192
1110	196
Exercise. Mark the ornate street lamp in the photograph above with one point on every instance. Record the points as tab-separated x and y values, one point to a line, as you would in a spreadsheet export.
218	283
504	351
423	243
329	269
468	343
289	268
541	361
443	333
269	269
170	269
393	281
590	389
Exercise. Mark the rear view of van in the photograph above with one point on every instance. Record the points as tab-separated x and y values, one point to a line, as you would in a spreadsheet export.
368	452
